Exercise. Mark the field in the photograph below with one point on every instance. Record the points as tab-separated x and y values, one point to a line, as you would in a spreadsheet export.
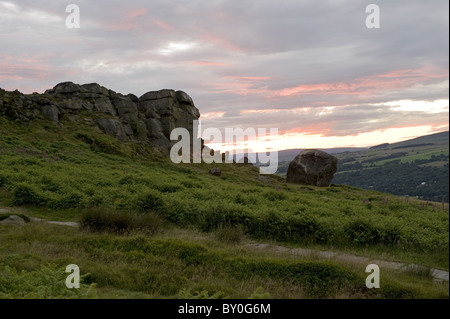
154	229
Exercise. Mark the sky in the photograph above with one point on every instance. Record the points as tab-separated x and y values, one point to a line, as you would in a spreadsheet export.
311	69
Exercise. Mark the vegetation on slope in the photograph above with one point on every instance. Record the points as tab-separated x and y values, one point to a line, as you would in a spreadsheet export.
130	190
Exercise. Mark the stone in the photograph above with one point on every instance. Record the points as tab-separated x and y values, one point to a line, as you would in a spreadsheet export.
67	88
96	88
51	112
13	220
71	104
215	171
182	97
312	167
125	106
264	179
132	97
103	104
154	95
110	126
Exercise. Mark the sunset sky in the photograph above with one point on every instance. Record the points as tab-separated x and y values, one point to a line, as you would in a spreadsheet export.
312	69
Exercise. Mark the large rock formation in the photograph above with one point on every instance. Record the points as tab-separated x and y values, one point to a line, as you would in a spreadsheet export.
149	118
312	167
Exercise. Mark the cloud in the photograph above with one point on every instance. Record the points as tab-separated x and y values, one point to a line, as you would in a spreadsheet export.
307	67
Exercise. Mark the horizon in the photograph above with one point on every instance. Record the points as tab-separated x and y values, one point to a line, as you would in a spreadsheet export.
318	72
356	147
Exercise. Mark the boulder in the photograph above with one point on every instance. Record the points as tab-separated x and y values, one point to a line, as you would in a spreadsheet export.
13	220
215	171
183	97
112	127
312	167
103	104
51	112
96	88
67	88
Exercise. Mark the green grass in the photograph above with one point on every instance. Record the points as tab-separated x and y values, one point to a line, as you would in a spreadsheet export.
138	266
414	156
48	171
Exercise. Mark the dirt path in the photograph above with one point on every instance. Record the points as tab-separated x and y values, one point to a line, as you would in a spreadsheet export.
438	275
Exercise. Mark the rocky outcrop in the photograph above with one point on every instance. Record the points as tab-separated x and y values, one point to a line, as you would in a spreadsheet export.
149	118
312	167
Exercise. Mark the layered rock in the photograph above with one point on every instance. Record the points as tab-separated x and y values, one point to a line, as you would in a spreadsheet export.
149	118
312	167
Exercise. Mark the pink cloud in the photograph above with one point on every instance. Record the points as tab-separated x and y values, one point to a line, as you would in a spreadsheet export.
129	21
162	25
251	78
208	63
209	37
396	79
136	13
23	68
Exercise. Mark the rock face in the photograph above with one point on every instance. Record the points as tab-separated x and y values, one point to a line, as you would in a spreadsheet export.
312	167
149	118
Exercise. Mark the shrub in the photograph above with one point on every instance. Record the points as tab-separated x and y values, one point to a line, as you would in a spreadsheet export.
101	219
365	233
230	233
3	180
71	200
24	194
222	214
361	232
274	196
48	282
149	201
204	294
306	227
169	188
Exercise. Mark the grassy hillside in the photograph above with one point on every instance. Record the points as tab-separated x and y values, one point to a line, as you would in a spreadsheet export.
151	228
417	168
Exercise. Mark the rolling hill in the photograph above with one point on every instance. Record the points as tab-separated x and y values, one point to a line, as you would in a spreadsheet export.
416	168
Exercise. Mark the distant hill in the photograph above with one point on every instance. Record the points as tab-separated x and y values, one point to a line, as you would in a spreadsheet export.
441	138
288	155
417	167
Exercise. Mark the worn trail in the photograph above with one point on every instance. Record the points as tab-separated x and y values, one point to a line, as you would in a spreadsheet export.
438	275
